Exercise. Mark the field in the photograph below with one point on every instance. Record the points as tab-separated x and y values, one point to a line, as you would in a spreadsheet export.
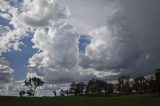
147	100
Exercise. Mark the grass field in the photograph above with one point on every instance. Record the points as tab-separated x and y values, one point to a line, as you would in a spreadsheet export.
147	100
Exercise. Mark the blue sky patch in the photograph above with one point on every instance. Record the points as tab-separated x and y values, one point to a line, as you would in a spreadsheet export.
83	42
19	59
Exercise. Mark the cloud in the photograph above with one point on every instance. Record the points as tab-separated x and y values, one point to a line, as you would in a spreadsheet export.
3	29
51	11
6	77
57	56
110	46
124	37
90	14
5	88
22	19
128	43
13	33
6	72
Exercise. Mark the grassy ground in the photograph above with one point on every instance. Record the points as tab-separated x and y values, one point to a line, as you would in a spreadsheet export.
147	100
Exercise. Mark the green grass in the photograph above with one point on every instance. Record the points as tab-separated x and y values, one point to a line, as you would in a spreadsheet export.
147	100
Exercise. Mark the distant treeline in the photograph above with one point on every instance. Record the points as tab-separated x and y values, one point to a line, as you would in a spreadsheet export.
95	87
124	86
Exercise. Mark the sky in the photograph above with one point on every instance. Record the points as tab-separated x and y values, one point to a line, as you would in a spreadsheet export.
63	41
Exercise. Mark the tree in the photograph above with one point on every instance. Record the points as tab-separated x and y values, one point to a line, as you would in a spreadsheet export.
95	87
152	84
109	89
33	83
140	84
100	86
123	84
30	92
67	92
21	93
62	92
80	88
55	93
77	88
157	75
72	89
90	89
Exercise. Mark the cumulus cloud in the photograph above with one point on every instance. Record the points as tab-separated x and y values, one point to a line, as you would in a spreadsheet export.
6	72
90	14
57	59
12	33
26	18
51	11
125	38
128	43
56	40
6	77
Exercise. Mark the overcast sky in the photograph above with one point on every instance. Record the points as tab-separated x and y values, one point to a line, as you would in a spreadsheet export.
76	40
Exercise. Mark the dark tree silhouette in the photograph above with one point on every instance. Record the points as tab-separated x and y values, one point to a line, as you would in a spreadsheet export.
67	92
62	92
90	87
109	89
30	92
157	75
96	87
55	93
152	84
33	83
72	89
100	86
21	93
77	88
80	88
123	84
140	84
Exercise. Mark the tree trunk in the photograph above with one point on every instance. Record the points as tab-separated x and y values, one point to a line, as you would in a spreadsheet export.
34	91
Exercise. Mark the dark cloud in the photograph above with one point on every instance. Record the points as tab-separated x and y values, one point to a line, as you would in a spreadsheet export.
133	47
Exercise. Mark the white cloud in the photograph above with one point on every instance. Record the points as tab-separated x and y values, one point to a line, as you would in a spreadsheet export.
27	19
6	77
122	41
43	12
10	38
90	14
6	72
58	52
3	29
5	88
56	40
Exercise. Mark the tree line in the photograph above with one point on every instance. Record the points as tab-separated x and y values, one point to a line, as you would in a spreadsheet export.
124	86
95	87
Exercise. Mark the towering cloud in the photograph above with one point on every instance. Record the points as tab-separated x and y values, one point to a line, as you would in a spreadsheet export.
129	42
56	41
125	39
